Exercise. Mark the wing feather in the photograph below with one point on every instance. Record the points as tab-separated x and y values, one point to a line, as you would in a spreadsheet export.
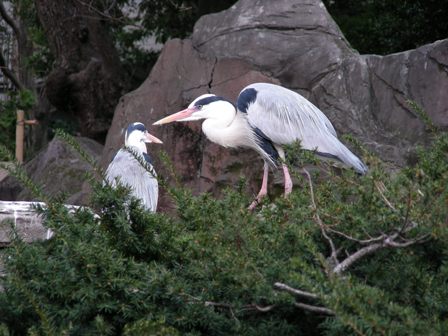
131	173
284	116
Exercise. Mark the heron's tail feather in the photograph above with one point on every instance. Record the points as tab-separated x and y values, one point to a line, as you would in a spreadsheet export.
346	156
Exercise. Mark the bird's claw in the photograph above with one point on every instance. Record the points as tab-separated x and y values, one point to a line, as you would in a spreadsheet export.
253	205
256	202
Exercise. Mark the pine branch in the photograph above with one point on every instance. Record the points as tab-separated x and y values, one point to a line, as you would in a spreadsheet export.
140	159
69	139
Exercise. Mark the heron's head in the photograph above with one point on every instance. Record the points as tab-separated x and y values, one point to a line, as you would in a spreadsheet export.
137	136
207	106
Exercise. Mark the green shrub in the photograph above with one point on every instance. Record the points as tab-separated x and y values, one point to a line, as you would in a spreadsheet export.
214	268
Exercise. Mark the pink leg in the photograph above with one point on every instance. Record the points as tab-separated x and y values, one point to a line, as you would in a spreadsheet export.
288	181
264	188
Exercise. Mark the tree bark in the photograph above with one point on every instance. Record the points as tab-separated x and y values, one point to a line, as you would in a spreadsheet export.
87	80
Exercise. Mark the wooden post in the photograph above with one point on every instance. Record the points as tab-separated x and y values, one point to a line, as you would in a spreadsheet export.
20	135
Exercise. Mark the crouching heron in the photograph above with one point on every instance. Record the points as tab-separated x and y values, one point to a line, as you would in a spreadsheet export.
130	172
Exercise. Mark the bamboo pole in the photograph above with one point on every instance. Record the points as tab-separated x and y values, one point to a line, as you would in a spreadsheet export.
20	135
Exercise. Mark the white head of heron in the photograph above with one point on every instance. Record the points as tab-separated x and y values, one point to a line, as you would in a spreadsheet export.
137	136
206	106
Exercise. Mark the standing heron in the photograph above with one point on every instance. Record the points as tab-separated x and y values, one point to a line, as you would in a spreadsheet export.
130	172
267	116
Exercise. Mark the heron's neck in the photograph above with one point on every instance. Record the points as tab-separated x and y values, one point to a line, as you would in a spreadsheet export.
139	146
230	130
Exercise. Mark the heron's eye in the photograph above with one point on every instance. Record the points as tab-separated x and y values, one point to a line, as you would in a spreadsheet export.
200	107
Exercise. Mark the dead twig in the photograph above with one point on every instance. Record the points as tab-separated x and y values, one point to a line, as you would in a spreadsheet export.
388	241
298	292
315	309
352	258
334	253
360	241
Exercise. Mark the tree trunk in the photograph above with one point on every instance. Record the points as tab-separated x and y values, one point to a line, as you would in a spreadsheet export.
87	80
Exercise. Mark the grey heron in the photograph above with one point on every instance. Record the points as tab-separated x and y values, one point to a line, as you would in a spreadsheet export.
265	117
130	172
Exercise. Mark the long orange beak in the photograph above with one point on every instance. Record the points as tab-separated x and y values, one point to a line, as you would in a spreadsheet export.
176	116
151	138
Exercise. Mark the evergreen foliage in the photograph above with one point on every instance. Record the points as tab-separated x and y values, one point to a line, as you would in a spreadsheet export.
176	18
388	26
214	268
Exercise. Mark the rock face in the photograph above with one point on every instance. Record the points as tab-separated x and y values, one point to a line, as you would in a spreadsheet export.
296	44
26	221
57	169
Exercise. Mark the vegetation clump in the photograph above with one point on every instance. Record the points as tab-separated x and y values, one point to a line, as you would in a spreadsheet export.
342	255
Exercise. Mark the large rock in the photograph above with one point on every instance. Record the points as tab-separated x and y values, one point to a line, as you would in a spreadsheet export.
300	44
419	75
294	43
58	169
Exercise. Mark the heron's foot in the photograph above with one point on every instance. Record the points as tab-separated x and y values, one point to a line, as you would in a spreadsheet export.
288	189
253	205
256	202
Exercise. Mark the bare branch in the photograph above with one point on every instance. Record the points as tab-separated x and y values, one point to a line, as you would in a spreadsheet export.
319	221
263	309
221	305
17	32
111	6
105	14
298	292
314	309
9	74
382	241
351	259
389	241
407	224
381	188
419	240
217	304
266	309
9	20
360	241
301	305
